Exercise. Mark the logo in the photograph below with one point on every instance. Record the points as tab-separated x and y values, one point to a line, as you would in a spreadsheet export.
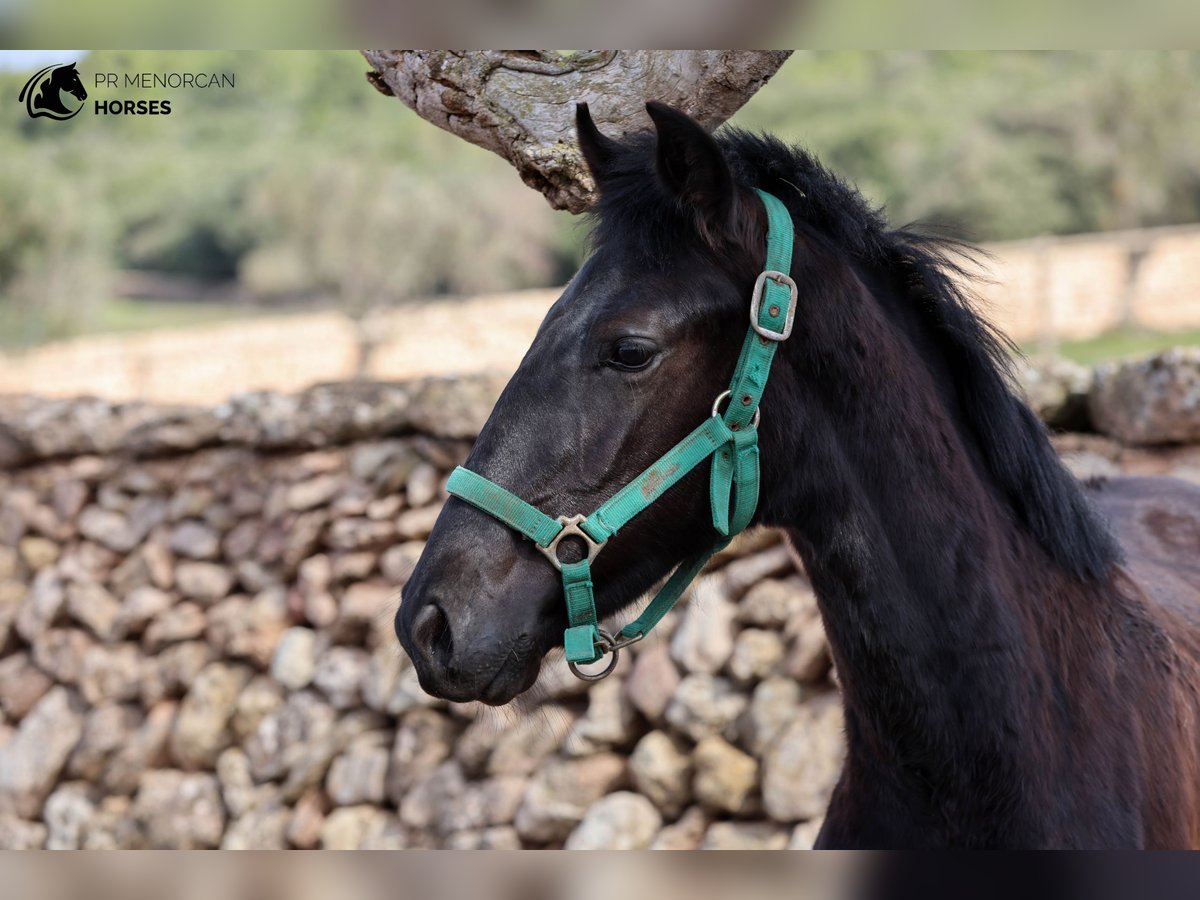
44	93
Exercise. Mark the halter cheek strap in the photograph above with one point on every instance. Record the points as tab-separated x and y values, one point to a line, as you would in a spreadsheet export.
730	438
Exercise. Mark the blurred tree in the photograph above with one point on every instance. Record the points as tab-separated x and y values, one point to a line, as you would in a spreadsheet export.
1002	144
390	236
55	258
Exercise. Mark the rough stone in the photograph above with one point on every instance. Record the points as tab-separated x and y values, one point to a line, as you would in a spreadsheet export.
1056	389
204	582
726	778
561	792
181	622
59	652
33	757
172	672
522	748
108	528
38	552
704	705
772	706
703	641
22	685
140	606
662	770
352	827
744	836
180	810
804	762
422	485
1149	401
424	740
308	818
43	606
295	658
339	675
481	804
249	629
201	728
358	774
686	832
620	821
498	838
360	534
106	730
396	563
111	672
773	602
804	835
238	790
742	574
113	827
194	539
143	750
416	524
652	682
257	700
19	834
314	492
264	827
756	654
431	794
67	813
610	720
353	567
281	739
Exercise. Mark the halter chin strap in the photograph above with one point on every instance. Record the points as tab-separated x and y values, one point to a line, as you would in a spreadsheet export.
729	437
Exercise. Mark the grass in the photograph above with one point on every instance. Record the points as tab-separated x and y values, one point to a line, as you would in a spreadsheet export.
1120	344
122	316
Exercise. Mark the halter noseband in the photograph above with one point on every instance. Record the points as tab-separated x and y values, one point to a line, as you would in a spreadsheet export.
730	438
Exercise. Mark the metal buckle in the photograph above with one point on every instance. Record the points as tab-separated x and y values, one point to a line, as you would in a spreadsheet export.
756	300
608	644
724	395
570	526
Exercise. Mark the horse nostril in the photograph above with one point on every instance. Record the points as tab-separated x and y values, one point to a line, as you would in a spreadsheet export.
430	629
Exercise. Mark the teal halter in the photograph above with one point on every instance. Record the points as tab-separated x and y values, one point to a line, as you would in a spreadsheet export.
730	438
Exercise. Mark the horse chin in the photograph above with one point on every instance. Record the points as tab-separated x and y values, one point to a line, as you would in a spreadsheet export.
510	682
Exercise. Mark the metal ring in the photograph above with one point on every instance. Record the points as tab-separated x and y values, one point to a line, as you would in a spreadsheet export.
725	395
570	528
607	645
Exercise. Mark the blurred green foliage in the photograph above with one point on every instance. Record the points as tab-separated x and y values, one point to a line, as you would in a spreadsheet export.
304	182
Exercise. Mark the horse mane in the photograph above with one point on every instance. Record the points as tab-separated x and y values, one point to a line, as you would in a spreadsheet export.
1011	442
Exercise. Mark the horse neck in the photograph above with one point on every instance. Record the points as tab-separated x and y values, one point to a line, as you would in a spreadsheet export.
935	600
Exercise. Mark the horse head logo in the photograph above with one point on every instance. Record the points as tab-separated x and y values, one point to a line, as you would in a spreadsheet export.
43	93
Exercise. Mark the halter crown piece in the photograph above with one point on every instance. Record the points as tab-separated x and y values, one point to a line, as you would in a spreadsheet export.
729	437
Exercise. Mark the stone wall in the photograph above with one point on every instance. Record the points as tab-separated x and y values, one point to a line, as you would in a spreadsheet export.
196	650
1036	291
196	645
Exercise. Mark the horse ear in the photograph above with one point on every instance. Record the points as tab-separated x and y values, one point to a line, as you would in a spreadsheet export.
693	169
598	150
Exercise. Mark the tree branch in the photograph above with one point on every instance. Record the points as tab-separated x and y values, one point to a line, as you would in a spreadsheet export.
521	104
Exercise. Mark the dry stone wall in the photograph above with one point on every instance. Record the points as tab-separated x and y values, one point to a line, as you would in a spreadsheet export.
196	650
196	644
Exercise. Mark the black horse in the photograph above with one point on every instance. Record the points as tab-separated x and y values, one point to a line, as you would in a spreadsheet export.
1010	678
44	92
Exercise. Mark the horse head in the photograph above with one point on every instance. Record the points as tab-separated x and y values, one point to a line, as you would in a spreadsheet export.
627	362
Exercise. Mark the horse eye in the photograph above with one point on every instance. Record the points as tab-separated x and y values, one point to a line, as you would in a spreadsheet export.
631	354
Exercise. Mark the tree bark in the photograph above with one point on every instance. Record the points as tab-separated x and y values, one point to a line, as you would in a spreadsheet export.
521	104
